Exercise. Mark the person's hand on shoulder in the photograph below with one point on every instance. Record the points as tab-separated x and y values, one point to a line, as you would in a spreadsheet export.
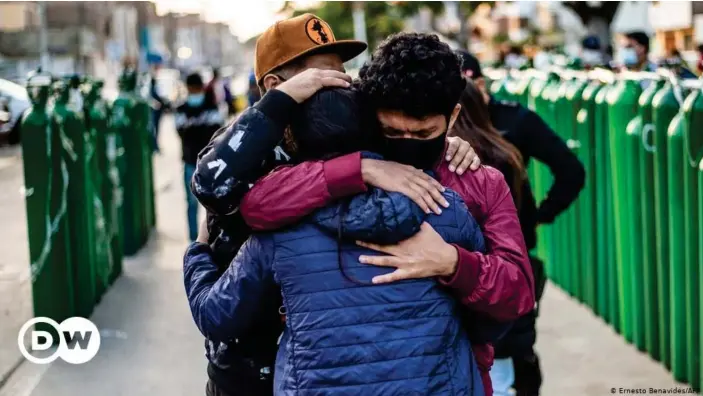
413	183
423	255
461	156
303	85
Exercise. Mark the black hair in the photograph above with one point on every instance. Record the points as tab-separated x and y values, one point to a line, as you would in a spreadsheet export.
469	63
413	73
515	49
194	80
700	48
328	124
640	38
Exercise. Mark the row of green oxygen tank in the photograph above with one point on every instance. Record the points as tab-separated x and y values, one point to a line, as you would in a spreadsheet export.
88	189
631	247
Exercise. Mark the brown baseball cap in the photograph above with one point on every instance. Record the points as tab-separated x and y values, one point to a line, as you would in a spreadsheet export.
293	38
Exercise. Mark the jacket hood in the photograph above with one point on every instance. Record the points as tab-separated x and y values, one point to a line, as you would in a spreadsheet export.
375	216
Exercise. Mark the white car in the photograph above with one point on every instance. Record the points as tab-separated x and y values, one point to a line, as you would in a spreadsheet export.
17	100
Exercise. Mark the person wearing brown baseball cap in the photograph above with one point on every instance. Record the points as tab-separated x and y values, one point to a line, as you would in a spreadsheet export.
295	58
304	46
297	44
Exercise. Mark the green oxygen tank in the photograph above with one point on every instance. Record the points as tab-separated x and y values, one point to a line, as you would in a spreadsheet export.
95	113
640	273
68	123
143	126
585	132
692	153
608	298
547	110
111	152
664	108
522	89
561	124
579	272
622	108
700	267
499	88
125	124
46	183
677	246
641	129
540	178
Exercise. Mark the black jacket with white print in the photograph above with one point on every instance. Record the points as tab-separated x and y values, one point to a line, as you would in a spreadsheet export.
238	155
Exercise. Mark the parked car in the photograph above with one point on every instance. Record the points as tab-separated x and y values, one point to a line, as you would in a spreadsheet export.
17	101
5	116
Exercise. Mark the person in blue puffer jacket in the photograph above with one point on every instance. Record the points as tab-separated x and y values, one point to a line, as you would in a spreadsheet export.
343	334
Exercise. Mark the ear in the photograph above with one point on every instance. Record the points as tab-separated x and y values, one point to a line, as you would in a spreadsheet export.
454	116
271	81
481	85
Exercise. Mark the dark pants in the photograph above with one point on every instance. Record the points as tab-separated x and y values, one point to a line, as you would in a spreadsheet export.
238	380
191	201
212	390
528	375
156	122
518	344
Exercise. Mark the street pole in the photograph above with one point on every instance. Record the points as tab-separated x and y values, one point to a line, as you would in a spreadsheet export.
43	37
463	35
79	65
142	36
359	16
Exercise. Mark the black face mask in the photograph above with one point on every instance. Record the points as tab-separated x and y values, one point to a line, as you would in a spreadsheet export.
422	154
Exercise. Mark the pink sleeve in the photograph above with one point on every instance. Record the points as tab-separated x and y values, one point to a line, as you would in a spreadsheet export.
292	192
500	282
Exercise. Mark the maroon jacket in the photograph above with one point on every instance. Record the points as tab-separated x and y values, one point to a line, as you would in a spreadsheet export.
498	283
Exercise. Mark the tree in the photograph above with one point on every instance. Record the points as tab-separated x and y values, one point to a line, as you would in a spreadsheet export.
384	18
594	10
381	19
595	15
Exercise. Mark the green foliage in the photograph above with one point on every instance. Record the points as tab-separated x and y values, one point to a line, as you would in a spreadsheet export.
501	38
587	10
383	18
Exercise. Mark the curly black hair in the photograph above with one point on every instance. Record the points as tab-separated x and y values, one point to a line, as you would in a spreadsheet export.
413	73
328	124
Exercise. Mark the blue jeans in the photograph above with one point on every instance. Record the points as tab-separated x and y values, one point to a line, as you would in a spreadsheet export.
191	201
502	377
155	122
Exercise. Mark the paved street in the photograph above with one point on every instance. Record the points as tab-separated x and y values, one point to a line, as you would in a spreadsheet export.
150	345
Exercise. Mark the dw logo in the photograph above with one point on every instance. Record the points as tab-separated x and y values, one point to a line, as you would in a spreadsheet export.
79	341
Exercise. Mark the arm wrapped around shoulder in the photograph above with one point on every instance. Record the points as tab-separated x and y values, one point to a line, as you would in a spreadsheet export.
376	216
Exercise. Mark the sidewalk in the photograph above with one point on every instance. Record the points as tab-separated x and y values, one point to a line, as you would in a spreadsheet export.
15	283
150	345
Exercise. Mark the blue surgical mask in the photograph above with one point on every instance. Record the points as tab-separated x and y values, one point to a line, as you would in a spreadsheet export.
628	56
195	100
591	57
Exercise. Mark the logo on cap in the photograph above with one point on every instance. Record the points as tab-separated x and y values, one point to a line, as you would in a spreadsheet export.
318	31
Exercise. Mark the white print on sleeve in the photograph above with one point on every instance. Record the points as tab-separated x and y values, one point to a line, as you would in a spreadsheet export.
219	164
236	141
280	153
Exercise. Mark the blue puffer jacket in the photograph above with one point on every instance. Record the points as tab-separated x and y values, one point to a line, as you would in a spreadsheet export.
343	335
